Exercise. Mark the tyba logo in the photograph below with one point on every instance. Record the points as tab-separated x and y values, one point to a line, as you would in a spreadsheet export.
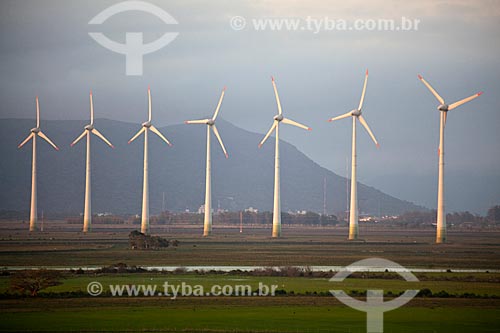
374	305
134	49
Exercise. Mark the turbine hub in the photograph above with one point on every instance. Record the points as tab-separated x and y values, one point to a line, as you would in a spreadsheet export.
278	117
443	107
210	122
89	127
356	113
35	130
146	124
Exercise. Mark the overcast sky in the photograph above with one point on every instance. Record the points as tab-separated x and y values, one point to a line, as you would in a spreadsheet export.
45	50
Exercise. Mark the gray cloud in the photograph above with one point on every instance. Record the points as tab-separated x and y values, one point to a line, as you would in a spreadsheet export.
46	51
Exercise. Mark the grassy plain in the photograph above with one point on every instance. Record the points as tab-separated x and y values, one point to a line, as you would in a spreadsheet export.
298	247
279	314
63	246
480	284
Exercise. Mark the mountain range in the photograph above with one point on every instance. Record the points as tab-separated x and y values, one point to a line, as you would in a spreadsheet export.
177	174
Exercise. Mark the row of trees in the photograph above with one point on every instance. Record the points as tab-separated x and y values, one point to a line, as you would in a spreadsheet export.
457	218
226	218
306	218
235	218
265	218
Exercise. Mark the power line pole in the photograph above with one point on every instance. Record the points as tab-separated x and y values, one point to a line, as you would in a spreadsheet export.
241	221
324	196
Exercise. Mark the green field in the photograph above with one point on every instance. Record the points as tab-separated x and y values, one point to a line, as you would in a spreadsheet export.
297	313
453	283
283	314
472	303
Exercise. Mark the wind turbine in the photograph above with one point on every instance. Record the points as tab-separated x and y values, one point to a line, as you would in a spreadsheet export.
210	122
35	132
443	108
146	127
276	126
88	130
355	114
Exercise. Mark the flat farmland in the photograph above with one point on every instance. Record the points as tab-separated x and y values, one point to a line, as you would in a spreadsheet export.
254	247
457	302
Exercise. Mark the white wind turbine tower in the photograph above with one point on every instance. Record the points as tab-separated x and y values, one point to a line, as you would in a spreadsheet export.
207	224
443	108
355	114
146	127
88	130
275	126
35	132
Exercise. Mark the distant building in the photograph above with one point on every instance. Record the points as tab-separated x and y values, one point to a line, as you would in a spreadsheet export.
104	214
251	210
389	217
201	210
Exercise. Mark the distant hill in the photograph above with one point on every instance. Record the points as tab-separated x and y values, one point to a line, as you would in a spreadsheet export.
244	180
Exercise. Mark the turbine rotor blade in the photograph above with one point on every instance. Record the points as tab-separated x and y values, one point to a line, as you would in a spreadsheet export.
444	118
97	133
91	109
37	113
149	104
157	132
200	121
463	101
365	124
216	132
219	104
364	91
137	134
275	123
277	96
434	92
43	136
79	138
345	115
294	123
25	140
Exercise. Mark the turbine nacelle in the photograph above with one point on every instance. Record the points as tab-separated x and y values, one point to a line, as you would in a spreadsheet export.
278	117
147	125
443	107
90	129
210	122
358	114
36	131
